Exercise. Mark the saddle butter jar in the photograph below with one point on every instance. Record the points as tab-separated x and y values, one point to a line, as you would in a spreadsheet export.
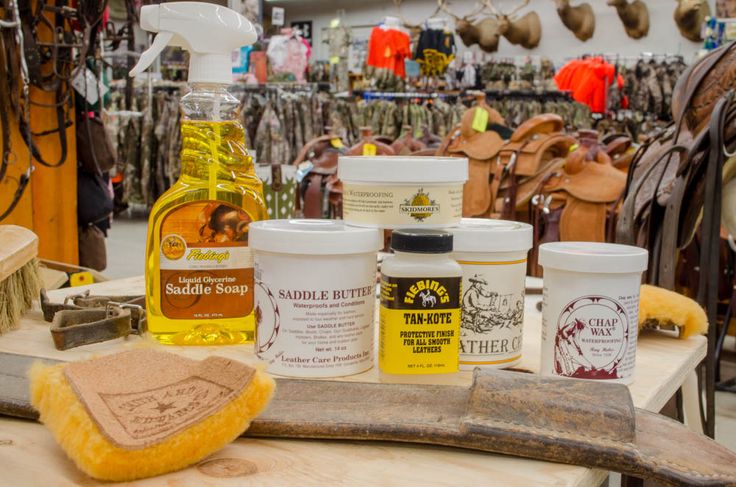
420	307
492	254
315	296
590	314
402	192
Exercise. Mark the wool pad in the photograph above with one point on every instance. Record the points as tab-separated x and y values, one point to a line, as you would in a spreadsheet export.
670	308
141	413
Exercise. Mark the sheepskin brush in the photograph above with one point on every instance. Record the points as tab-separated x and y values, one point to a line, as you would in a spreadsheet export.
660	308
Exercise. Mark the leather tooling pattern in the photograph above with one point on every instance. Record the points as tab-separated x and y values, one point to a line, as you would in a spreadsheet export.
158	413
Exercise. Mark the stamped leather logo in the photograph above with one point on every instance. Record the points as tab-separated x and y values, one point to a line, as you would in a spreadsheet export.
157	413
143	397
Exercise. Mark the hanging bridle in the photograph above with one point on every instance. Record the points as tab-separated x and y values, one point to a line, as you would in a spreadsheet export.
48	66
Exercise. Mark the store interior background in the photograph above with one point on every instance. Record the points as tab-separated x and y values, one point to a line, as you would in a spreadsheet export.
557	42
126	239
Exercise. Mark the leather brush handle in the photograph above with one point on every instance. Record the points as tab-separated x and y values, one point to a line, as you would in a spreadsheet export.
559	420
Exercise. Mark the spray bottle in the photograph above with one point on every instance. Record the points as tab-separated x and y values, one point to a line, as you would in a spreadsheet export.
199	268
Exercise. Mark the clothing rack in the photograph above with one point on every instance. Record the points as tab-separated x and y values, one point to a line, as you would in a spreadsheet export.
295	87
530	94
390	95
644	56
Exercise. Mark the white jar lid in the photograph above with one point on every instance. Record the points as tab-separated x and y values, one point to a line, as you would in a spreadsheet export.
486	235
313	237
400	169
604	258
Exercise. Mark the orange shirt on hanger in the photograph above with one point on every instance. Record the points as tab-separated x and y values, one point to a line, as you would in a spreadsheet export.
388	49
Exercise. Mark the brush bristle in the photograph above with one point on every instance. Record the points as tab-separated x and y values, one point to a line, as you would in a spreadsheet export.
18	291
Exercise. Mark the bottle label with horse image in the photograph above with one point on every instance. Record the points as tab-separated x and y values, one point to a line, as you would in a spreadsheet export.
419	325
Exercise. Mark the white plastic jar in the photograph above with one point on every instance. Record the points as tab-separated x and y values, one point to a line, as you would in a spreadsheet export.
590	313
315	296
402	192
493	256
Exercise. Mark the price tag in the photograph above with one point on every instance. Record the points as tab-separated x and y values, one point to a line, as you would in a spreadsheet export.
480	120
277	16
337	143
81	279
370	150
335	60
303	169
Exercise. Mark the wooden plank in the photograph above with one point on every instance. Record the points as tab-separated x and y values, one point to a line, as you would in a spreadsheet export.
52	279
661	362
33	458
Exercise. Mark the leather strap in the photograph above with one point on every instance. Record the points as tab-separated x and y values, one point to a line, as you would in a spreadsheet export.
70	329
84	319
625	232
313	196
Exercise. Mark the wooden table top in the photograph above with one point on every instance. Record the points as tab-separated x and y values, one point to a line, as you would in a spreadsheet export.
29	455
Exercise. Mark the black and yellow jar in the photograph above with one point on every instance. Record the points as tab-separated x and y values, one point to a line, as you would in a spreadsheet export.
420	306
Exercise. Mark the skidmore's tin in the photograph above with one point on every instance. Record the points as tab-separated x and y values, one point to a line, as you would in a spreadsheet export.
402	191
492	254
591	309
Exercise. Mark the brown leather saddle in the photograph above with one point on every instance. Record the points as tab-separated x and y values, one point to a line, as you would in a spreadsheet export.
320	192
480	146
577	197
535	150
406	144
674	189
370	145
504	175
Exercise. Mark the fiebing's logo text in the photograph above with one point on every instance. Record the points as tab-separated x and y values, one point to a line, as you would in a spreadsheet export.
210	255
429	291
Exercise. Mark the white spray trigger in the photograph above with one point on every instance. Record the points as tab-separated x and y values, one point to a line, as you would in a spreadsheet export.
147	58
208	31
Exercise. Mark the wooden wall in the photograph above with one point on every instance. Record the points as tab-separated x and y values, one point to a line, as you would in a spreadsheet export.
49	205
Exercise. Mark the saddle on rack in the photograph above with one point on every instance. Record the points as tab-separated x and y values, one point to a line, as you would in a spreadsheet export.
320	194
675	191
506	174
370	145
535	149
406	144
578	199
666	190
480	146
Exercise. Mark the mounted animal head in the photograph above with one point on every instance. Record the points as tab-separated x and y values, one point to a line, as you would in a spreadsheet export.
579	19
484	33
525	31
689	17
634	15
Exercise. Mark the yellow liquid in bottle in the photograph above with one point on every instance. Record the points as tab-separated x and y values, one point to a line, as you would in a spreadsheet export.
216	172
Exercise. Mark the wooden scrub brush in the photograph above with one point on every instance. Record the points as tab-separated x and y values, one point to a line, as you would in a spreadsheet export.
20	282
